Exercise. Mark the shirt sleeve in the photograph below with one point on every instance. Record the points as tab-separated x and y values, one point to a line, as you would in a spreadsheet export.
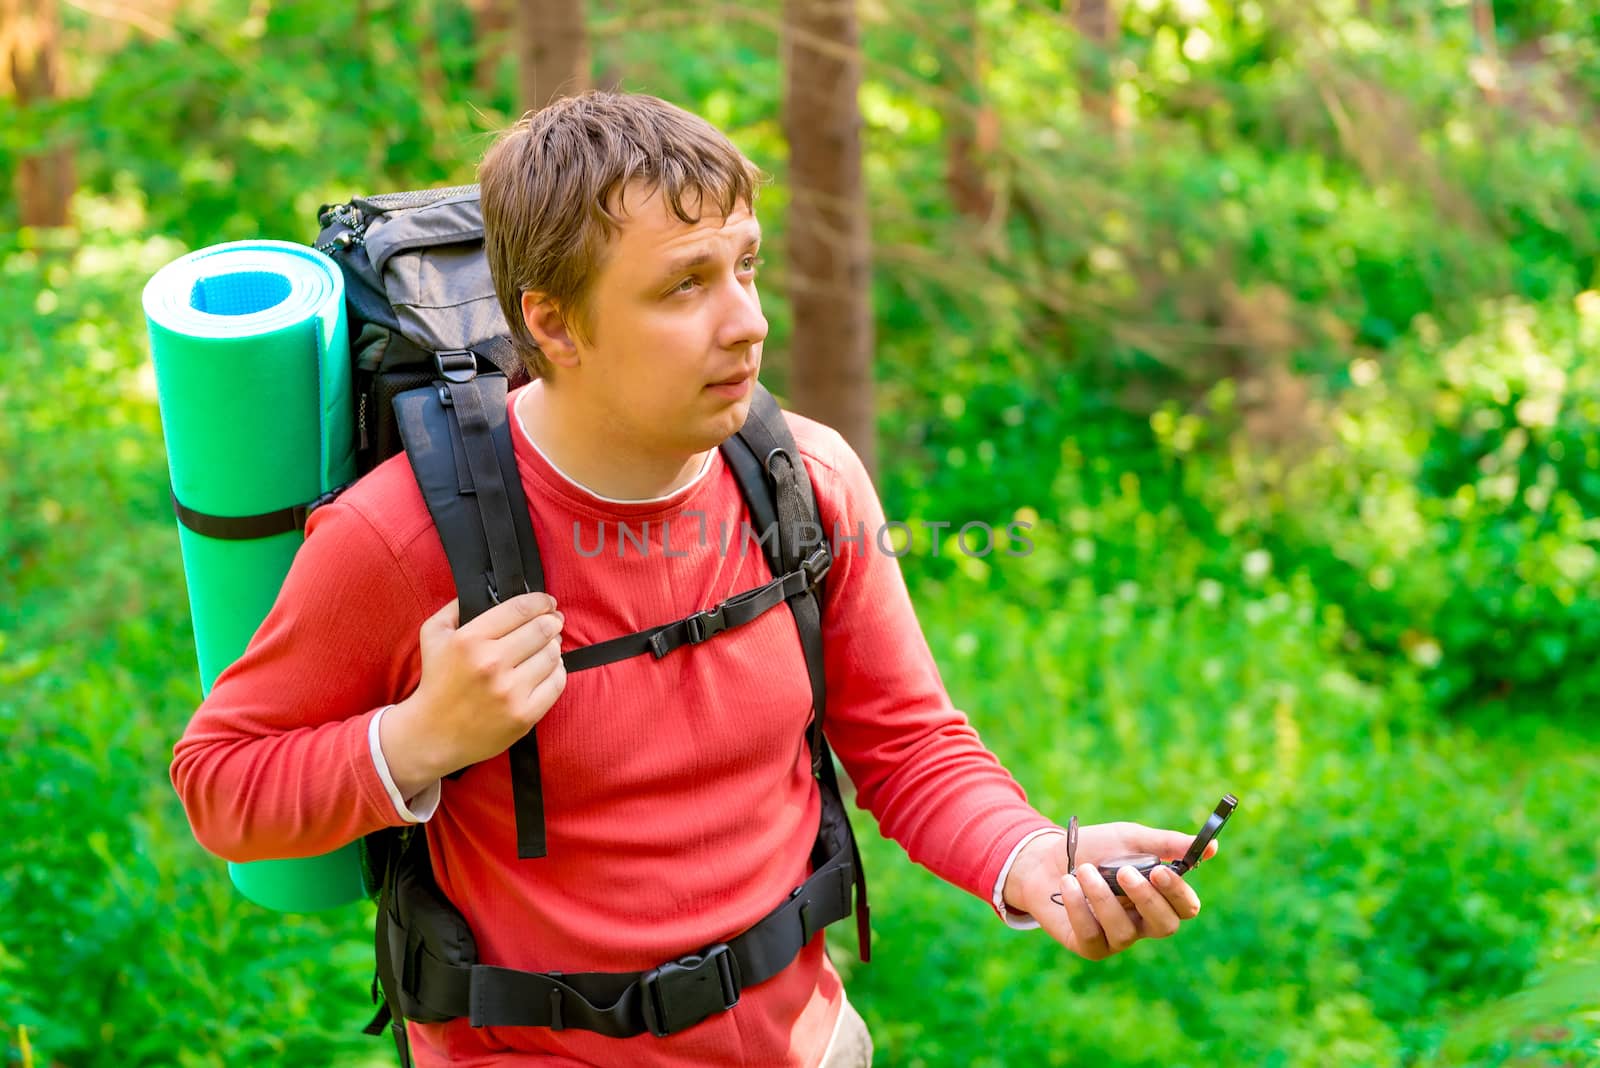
277	762
1016	919
417	809
916	762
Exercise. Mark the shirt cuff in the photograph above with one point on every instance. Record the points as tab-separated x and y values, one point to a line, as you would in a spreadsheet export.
1017	921
420	808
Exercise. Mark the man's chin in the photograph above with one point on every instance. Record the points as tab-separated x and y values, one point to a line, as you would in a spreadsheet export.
738	414
715	431
725	416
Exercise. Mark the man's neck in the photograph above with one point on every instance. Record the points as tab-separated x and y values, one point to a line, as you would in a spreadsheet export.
577	444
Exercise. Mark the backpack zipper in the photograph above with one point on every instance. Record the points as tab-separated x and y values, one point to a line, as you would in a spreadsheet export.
348	215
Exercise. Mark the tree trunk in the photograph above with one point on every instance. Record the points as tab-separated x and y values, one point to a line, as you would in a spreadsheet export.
1096	22
30	67
971	129
829	246
492	32
552	51
1486	66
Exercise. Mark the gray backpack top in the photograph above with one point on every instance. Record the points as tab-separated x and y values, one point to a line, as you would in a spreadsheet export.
419	299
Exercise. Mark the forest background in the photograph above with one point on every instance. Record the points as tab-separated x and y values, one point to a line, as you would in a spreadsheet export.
1278	322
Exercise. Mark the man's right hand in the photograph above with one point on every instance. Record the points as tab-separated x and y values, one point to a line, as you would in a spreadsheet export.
484	685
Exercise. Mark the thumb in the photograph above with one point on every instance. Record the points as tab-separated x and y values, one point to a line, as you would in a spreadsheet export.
445	619
1168	845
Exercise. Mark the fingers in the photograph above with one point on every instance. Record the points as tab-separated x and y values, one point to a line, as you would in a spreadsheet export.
508	634
1179	894
1087	938
1159	915
550	687
527	676
529	639
1120	932
1101	926
511	614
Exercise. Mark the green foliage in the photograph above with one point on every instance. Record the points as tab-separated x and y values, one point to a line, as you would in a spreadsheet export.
1451	506
1371	881
1283	371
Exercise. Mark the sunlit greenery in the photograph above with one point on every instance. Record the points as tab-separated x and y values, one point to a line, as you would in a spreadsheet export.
1283	335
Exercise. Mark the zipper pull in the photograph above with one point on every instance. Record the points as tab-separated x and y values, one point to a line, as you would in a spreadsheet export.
344	215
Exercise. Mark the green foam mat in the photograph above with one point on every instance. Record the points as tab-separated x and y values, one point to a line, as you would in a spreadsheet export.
250	348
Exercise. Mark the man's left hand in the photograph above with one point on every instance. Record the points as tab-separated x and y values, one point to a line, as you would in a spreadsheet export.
1090	919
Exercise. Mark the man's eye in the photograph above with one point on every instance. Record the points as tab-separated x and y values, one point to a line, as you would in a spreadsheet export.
686	286
750	263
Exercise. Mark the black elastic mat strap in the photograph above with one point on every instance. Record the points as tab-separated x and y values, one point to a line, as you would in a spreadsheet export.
250	527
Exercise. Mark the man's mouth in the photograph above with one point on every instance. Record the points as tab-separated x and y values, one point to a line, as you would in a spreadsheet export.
735	387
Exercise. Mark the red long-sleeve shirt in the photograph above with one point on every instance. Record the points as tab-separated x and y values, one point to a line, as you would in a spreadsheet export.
678	798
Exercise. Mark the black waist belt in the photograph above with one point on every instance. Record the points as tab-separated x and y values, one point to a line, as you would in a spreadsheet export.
664	1000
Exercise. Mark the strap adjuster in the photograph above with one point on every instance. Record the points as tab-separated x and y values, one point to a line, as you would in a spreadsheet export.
302	512
703	626
817	565
456	365
681	993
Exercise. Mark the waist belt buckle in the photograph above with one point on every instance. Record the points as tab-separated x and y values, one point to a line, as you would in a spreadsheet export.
681	993
703	626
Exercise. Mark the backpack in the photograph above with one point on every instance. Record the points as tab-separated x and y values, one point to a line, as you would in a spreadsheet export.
432	365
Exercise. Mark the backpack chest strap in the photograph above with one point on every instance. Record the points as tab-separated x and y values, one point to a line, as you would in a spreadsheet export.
701	627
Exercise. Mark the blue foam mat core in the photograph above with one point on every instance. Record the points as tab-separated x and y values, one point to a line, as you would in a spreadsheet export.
239	293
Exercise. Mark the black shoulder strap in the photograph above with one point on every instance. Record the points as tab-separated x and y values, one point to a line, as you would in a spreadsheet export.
772	476
778	492
458	440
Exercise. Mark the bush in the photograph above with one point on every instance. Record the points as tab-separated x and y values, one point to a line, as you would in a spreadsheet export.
1364	895
1450	507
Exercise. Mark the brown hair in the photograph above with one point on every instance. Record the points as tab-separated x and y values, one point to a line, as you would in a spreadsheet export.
552	191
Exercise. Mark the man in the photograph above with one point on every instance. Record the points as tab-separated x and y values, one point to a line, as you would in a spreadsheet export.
679	802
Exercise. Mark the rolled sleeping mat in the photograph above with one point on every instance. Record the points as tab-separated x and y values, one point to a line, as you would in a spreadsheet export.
252	367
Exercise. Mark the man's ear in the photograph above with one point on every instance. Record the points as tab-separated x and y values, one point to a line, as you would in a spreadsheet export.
549	328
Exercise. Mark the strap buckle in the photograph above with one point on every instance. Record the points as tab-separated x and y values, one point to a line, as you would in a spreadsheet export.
456	365
818	564
705	625
302	512
681	993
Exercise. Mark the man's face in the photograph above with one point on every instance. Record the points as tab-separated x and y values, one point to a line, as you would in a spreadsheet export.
675	328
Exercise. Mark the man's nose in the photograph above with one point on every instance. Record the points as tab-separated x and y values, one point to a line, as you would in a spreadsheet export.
743	325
